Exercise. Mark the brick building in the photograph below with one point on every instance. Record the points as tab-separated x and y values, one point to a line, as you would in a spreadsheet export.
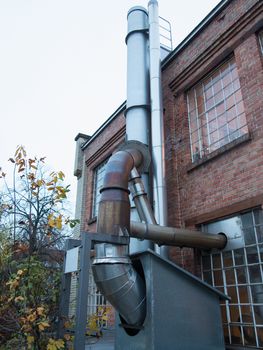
213	119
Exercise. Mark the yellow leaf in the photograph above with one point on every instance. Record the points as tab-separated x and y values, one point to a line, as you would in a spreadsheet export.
67	336
43	325
30	339
59	222
19	298
67	324
55	344
32	317
20	272
39	183
40	310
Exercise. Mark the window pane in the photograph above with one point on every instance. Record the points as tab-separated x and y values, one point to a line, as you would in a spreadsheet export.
218	278
217	100
249	334
98	182
206	262
247	220
241	275
239	256
250	237
258	216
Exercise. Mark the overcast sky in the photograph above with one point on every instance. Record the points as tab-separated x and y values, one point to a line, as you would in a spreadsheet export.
63	70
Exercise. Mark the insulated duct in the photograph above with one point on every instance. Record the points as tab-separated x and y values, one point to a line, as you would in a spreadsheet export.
113	272
138	92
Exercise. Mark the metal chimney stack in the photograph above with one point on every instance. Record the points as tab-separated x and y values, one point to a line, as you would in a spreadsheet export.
138	92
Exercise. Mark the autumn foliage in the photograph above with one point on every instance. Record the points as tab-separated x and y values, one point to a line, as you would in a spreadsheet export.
33	225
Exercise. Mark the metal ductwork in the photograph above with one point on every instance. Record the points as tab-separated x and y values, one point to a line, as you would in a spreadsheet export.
138	119
177	236
113	272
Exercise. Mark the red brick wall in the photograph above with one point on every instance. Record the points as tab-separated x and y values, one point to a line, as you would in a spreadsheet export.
237	174
232	177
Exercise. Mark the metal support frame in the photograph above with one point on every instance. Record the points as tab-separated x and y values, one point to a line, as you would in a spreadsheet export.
86	244
65	288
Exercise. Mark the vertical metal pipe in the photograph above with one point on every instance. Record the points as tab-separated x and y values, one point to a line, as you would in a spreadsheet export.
158	151
140	198
138	99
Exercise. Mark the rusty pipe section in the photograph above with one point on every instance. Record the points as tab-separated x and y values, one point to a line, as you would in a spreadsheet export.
113	272
177	236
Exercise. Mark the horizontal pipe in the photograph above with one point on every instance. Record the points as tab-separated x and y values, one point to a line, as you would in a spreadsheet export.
177	236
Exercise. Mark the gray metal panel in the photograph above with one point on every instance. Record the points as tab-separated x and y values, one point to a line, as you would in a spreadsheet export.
182	312
65	289
82	298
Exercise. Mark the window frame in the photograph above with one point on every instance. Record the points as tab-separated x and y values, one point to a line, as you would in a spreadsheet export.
203	110
232	271
95	188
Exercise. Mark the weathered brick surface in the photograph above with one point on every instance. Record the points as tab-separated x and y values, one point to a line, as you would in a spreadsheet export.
237	174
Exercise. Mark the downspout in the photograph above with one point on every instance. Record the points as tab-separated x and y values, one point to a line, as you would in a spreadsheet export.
157	129
113	272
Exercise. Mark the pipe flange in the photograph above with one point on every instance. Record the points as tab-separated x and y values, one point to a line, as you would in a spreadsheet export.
143	149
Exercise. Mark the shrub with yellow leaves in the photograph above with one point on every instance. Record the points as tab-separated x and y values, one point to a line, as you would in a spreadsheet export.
54	344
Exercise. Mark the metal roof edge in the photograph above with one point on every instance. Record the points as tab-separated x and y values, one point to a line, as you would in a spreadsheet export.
120	109
215	11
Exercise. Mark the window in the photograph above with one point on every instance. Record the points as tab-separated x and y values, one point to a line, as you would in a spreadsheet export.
238	272
260	38
216	111
98	182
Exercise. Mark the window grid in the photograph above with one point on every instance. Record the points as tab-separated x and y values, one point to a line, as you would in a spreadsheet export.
95	299
215	111
99	172
239	274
